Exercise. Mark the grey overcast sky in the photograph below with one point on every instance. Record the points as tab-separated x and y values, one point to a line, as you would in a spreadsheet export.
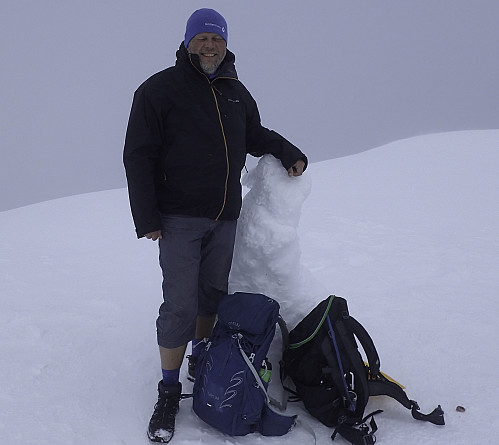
335	77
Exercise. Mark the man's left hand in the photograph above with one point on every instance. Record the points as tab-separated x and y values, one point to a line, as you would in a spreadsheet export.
297	169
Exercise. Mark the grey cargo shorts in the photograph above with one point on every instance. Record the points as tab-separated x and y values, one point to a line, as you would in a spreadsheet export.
195	255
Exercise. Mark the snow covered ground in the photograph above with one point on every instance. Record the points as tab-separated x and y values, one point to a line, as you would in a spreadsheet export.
408	233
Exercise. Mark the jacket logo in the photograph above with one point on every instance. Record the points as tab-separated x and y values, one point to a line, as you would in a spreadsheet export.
233	100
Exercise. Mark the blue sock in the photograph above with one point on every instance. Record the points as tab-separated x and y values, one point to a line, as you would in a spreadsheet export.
171	376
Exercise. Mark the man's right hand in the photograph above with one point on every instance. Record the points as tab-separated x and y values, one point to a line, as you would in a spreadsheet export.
154	235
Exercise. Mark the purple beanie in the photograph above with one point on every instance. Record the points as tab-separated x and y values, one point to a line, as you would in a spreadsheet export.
205	20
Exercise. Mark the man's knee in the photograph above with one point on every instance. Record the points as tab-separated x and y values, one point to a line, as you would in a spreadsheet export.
175	325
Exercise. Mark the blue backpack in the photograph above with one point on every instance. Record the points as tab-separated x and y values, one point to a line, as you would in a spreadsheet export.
232	372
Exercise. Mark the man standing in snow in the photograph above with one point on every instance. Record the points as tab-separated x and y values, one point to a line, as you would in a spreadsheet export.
190	128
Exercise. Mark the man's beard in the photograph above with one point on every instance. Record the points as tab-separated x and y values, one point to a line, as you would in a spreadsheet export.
212	69
209	69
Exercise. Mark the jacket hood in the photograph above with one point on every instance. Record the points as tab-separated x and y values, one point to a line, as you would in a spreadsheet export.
226	69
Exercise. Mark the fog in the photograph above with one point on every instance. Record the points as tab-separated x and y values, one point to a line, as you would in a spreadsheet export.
334	77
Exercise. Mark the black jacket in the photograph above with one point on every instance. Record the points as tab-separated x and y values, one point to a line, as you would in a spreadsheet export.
187	141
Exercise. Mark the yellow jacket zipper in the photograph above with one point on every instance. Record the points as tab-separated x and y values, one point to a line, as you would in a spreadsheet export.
223	134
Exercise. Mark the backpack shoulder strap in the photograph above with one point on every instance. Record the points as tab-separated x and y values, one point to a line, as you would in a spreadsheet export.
284	332
366	341
344	336
282	422
283	403
380	385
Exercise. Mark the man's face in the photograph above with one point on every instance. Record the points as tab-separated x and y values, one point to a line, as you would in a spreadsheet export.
210	48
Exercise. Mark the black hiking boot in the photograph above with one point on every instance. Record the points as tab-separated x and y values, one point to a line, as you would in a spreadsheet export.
162	423
191	367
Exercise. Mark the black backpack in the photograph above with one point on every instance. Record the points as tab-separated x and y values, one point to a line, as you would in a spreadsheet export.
323	361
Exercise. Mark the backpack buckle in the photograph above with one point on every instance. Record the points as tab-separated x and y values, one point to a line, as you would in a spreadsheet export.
350	401
369	439
362	434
